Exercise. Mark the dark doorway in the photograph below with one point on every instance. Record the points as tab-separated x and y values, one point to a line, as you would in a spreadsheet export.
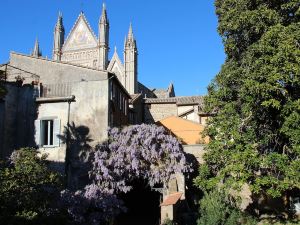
142	205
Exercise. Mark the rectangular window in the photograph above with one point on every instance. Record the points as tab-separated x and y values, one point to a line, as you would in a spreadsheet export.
111	89
46	132
114	90
126	106
120	100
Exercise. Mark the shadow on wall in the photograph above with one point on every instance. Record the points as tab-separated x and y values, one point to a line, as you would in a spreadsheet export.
78	154
18	112
193	193
147	114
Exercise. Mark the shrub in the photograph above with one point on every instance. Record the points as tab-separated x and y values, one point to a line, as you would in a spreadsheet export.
216	210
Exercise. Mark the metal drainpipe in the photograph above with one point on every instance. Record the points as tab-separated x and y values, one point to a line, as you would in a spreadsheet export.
67	158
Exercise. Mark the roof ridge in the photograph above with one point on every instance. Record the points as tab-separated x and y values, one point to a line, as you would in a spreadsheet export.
54	61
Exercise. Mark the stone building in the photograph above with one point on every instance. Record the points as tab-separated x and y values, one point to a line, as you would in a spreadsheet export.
82	88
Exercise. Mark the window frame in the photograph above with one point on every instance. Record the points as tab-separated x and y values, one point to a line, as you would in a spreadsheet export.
39	132
50	135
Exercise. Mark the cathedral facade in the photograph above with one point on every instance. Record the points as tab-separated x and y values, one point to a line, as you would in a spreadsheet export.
83	47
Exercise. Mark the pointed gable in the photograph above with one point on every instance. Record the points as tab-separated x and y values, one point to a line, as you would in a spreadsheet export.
116	66
81	36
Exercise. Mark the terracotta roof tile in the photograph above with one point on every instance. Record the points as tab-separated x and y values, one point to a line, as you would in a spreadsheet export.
171	199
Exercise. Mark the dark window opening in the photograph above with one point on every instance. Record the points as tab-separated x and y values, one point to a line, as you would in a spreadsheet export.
47	132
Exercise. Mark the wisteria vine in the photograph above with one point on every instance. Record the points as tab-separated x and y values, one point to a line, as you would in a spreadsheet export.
145	152
136	152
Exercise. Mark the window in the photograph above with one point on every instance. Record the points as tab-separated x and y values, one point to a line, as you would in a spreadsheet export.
46	132
126	106
111	87
120	100
114	90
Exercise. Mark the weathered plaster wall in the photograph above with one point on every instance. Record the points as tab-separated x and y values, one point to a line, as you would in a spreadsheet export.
182	109
17	115
192	116
167	212
195	150
51	72
90	110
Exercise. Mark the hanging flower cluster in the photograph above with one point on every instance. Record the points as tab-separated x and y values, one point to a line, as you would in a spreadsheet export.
136	152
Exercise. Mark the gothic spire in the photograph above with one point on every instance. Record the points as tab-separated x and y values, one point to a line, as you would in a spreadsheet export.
103	18
36	50
59	24
130	32
59	38
103	39
130	63
130	41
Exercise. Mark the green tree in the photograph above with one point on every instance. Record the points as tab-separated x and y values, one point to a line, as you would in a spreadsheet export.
255	135
28	189
215	209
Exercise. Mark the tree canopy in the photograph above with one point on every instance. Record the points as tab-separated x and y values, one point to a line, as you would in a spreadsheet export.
29	191
255	135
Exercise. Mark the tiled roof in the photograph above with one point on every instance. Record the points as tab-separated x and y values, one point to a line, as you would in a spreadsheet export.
189	100
160	100
171	199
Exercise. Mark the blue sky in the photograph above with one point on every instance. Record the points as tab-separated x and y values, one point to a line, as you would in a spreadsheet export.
177	40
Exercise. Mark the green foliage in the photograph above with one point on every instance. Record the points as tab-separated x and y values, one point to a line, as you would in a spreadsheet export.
216	210
28	189
255	135
168	222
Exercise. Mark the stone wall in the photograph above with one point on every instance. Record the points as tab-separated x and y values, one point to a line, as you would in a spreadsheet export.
156	112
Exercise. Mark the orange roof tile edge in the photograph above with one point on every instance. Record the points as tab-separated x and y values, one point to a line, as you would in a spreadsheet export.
171	199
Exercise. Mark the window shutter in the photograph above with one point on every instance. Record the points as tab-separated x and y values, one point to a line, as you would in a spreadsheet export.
56	132
37	136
